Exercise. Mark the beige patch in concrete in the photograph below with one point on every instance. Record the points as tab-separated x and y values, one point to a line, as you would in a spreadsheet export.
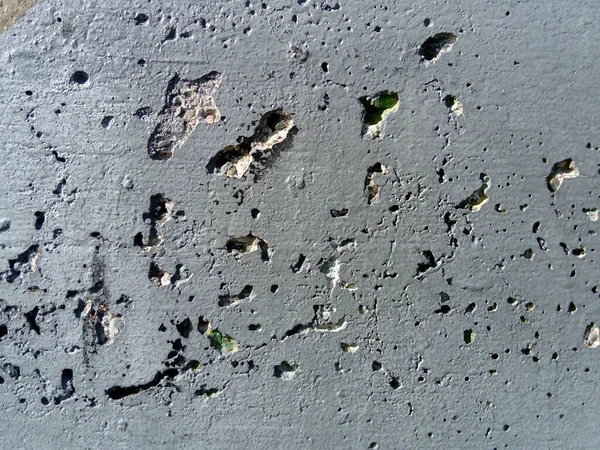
13	10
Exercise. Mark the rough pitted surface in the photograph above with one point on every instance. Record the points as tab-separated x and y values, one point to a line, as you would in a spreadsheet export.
426	289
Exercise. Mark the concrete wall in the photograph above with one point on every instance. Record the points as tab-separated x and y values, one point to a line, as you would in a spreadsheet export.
421	318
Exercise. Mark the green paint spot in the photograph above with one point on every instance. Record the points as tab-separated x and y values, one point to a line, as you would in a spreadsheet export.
222	342
469	336
349	348
528	254
350	286
210	393
375	111
332	327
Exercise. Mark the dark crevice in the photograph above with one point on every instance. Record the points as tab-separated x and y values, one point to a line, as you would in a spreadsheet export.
229	300
120	392
58	158
40	217
300	328
31	316
185	327
158	213
297	266
429	264
66	381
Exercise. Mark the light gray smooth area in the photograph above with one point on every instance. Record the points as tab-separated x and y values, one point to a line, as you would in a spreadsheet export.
527	75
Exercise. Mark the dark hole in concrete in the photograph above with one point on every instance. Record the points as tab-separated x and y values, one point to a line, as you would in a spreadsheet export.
97	287
171	34
185	327
30	317
283	368
431	48
339	212
80	77
297	267
444	309
40	217
106	121
143	112
141	19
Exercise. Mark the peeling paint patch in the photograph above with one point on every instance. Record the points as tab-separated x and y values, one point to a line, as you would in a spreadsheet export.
244	245
371	187
187	102
331	270
104	323
591	337
235	160
158	275
478	198
561	171
591	213
23	264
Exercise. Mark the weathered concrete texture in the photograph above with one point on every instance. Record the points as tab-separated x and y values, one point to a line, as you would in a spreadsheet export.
416	287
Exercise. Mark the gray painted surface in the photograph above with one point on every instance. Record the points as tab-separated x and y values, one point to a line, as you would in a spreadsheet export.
526	73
